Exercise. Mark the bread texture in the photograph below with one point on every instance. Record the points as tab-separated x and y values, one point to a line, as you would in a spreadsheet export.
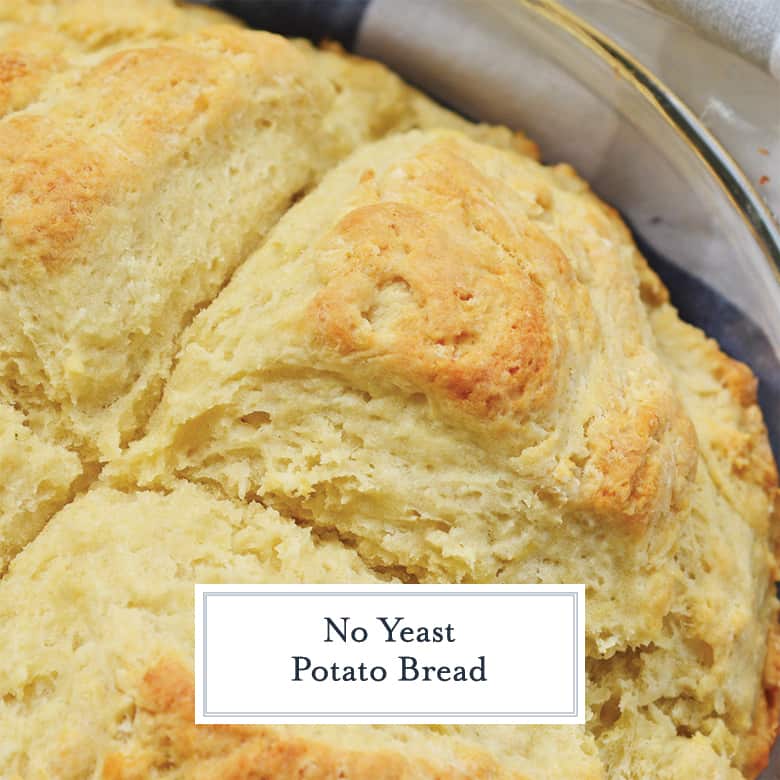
267	314
454	351
38	478
44	45
133	185
144	152
443	356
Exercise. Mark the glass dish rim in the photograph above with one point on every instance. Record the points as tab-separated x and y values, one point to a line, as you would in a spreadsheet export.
715	159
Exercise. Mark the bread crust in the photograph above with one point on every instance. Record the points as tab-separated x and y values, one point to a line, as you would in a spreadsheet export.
169	735
739	450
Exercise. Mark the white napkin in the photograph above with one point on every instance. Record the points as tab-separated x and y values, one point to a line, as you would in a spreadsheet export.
749	27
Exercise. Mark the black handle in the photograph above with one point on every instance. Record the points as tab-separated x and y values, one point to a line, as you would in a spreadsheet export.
336	20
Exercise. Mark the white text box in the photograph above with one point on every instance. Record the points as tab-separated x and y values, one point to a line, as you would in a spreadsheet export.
389	654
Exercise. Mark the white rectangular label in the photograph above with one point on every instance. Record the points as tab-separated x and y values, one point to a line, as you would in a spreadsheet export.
390	654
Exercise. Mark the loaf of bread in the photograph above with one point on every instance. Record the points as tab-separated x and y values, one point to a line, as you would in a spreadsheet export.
267	314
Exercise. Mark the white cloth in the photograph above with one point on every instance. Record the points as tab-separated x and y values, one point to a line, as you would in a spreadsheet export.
749	27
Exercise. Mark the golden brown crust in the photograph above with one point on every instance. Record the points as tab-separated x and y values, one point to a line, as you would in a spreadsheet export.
766	719
23	75
737	453
745	445
740	439
57	170
633	473
50	188
750	454
474	331
41	40
441	277
91	25
165	735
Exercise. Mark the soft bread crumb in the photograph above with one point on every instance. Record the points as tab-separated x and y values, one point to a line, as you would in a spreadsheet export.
37	480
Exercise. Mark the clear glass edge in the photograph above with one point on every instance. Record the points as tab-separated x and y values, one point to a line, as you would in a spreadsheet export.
719	163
